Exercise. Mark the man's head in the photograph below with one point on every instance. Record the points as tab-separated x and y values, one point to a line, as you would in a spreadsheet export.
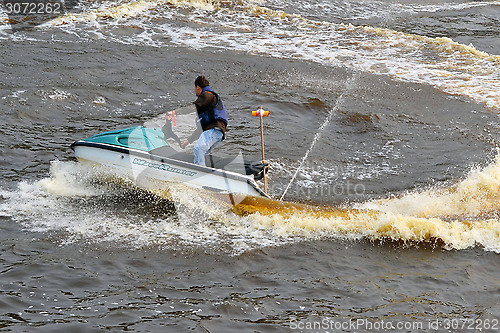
200	83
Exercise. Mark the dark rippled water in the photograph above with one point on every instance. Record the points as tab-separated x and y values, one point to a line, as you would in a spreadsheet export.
408	93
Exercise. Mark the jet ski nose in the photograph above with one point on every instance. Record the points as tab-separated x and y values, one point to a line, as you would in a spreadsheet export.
73	145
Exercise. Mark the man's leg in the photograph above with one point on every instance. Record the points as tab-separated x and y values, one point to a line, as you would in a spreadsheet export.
205	144
216	138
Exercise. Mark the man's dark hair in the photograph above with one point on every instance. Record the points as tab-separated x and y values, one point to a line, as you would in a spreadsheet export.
201	82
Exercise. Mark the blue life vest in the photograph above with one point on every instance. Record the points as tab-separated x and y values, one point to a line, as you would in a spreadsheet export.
211	114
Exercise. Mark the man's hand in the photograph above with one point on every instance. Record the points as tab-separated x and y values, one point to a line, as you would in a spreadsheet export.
184	144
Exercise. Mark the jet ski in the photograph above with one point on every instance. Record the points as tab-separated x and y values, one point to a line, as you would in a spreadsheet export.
144	155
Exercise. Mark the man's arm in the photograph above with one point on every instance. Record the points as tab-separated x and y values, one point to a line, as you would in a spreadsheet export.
194	136
196	133
185	110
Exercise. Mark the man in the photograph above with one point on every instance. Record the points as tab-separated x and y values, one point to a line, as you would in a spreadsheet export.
212	118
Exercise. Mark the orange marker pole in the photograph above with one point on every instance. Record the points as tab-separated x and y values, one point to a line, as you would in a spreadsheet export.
262	113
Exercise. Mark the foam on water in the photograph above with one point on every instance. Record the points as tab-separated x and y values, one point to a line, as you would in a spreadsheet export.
93	205
73	202
83	204
478	194
385	226
458	217
366	10
452	67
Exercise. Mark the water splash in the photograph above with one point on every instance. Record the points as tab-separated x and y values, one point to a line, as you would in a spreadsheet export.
458	217
82	205
89	204
320	130
476	195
